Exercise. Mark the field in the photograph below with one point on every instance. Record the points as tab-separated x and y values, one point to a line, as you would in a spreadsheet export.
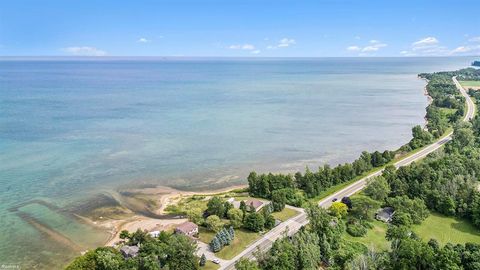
446	229
243	239
375	237
209	266
285	214
472	84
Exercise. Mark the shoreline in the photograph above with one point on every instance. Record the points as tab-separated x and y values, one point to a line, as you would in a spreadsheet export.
165	197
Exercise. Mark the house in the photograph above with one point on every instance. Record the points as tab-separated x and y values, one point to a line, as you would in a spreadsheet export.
385	214
129	251
231	200
154	234
187	228
254	204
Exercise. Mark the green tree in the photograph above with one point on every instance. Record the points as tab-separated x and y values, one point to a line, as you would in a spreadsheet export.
254	222
377	188
195	215
245	264
214	223
338	209
181	253
236	217
108	259
364	207
203	260
279	199
124	234
216	206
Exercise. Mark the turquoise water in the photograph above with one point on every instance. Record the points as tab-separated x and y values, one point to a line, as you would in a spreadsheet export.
72	129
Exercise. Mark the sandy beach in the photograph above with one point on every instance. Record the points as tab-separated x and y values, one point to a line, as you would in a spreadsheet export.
162	196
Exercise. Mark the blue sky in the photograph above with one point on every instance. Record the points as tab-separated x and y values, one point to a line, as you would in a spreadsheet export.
268	28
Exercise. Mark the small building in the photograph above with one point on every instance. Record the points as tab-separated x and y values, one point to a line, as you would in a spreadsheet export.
187	228
231	200
129	251
254	204
385	214
154	234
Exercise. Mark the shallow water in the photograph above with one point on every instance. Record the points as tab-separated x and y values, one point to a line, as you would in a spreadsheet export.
73	129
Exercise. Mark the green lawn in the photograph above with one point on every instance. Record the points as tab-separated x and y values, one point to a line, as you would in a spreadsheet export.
205	235
243	239
285	214
467	84
209	266
375	237
447	229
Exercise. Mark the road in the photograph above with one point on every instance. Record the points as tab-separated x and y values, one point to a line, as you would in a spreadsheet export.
294	224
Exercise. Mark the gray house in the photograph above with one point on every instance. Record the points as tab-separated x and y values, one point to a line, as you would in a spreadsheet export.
129	251
385	214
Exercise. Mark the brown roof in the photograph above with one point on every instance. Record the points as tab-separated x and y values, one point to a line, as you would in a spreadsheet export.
254	203
187	227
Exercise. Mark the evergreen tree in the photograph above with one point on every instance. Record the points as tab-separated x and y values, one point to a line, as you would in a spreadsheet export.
203	260
215	244
232	232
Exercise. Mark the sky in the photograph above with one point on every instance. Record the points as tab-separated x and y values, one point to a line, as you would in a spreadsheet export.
239	28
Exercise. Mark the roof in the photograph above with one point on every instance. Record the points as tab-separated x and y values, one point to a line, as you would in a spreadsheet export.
129	251
385	213
187	227
254	203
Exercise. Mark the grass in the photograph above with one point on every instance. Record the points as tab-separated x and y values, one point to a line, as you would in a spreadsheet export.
447	229
285	214
375	237
470	83
205	235
243	239
209	266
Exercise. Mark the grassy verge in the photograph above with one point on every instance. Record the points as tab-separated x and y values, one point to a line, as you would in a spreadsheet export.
205	235
375	237
209	266
285	214
467	84
447	229
243	239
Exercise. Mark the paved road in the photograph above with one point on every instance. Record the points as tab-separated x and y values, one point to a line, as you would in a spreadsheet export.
297	222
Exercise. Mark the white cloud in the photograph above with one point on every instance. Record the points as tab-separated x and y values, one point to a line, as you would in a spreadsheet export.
85	51
143	40
286	42
247	47
474	39
425	42
283	43
428	46
354	48
256	52
374	46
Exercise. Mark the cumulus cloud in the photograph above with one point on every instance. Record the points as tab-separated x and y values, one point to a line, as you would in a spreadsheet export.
286	42
85	51
374	46
247	47
143	40
283	43
431	46
354	48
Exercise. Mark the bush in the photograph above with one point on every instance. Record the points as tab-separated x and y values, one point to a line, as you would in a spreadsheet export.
356	228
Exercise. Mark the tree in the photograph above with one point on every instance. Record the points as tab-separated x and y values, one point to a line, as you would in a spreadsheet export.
236	217
279	199
254	222
377	188
227	206
347	201
231	231
308	250
203	260
269	222
214	223
195	215
215	206
363	207
124	234
215	244
181	253
245	264
338	209
108	259
243	207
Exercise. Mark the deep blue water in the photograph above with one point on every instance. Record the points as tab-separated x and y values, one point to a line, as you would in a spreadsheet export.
72	129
